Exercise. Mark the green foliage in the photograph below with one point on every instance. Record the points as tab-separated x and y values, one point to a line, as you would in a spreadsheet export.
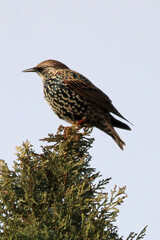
53	195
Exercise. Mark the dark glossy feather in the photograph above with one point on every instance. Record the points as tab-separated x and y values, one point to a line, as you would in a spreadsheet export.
118	124
89	91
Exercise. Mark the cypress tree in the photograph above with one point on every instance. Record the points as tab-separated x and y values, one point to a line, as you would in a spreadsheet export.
53	194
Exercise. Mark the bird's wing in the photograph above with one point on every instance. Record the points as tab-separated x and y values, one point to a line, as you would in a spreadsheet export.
90	92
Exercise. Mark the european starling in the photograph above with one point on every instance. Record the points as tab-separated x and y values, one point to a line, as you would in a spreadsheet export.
75	99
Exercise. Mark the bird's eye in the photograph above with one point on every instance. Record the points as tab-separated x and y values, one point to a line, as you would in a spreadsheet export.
39	69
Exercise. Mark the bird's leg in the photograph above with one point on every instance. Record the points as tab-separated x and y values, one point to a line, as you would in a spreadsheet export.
80	122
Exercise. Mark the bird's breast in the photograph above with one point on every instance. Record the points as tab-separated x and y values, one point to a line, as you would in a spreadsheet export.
65	102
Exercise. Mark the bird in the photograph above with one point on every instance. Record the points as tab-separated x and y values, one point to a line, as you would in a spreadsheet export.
75	99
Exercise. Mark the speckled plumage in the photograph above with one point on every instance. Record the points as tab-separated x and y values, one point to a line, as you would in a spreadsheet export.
75	99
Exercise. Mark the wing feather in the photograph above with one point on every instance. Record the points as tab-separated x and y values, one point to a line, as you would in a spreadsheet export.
89	91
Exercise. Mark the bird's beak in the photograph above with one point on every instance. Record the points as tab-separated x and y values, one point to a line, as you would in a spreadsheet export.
30	70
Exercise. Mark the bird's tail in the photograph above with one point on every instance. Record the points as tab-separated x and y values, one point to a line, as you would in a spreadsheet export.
117	139
118	124
107	128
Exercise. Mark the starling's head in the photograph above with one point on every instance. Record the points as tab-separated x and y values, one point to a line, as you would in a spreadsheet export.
46	68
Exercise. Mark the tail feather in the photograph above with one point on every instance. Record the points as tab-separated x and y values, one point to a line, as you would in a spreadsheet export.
116	138
107	128
118	124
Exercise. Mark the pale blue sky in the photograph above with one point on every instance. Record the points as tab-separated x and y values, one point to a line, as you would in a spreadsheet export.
116	44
